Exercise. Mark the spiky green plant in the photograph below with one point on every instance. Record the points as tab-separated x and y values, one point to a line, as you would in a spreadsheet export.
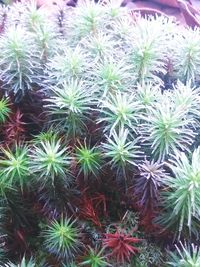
114	11
95	258
181	199
120	111
23	263
62	238
15	166
166	128
4	109
50	160
100	46
70	104
89	159
112	76
69	63
147	95
46	136
188	98
186	256
120	150
20	61
87	19
149	48
186	58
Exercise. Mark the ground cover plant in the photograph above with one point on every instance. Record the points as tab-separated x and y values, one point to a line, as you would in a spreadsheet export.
100	147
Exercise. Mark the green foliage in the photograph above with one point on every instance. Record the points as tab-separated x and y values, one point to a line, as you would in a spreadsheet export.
147	94
111	76
70	104
120	111
187	97
20	64
15	166
166	128
50	160
186	58
62	239
186	256
181	200
23	263
68	63
149	254
121	100
89	160
120	150
94	258
4	109
86	20
149	48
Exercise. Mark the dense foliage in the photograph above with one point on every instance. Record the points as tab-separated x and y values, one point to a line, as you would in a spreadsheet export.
100	147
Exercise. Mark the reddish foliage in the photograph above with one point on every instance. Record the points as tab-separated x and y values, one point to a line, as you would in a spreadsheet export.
92	207
121	245
150	227
14	129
